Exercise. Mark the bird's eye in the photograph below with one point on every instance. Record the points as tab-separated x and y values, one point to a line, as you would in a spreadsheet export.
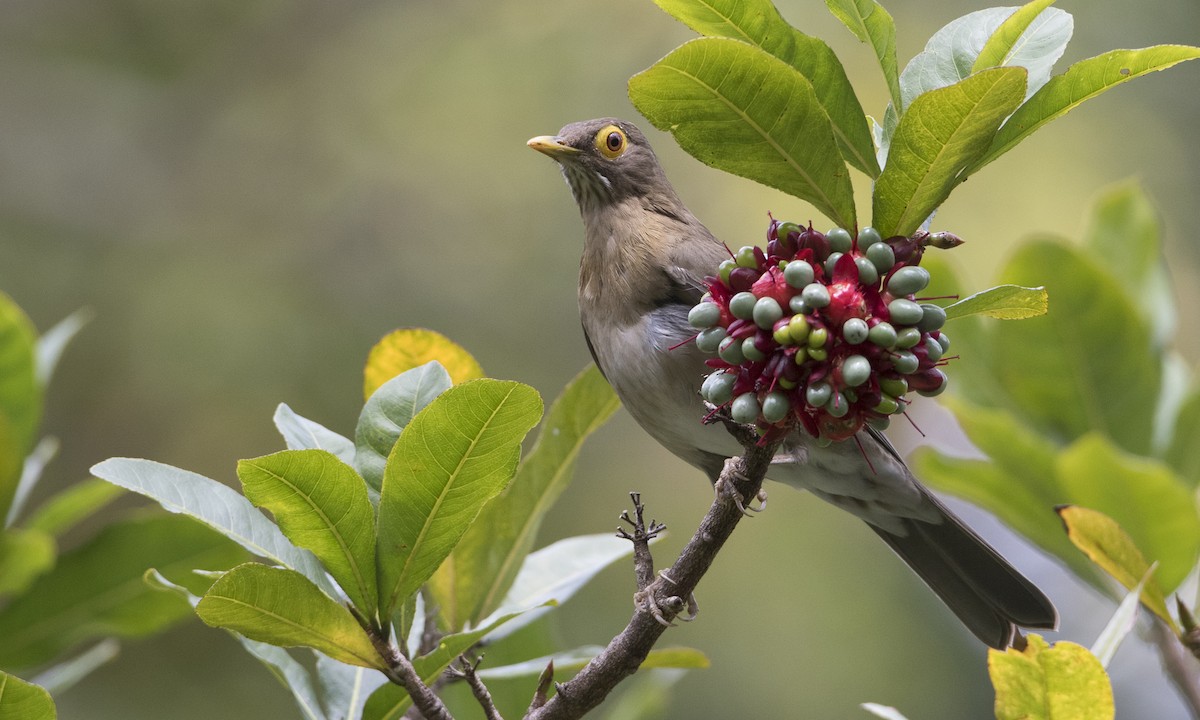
611	141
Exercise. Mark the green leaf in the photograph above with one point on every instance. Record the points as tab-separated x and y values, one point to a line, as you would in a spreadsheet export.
554	574
1086	365
281	607
390	701
870	23
345	688
1005	302
20	700
300	433
1082	81
738	109
292	674
25	554
1143	495
1125	231
388	411
942	134
1064	682
1104	541
20	396
53	342
69	507
455	455
97	590
473	581
572	661
1122	623
217	506
758	23
1183	453
1032	37
321	504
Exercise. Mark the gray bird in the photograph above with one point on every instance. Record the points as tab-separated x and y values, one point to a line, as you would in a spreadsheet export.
644	258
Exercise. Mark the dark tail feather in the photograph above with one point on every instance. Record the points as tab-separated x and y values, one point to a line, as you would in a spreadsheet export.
983	590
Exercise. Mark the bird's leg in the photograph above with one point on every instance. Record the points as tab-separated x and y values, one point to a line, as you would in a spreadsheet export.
729	490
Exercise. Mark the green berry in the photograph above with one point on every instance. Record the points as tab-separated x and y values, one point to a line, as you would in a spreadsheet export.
867	274
724	269
882	256
908	280
801	356
766	312
883	335
775	407
787	228
742	305
944	340
838	405
786	384
797	305
751	351
799	328
933	349
879	423
816	295
708	340
902	312
798	273
907	338
818	354
745	257
718	387
745	408
817	337
887	406
905	362
704	315
831	261
839	239
855	330
896	387
855	370
782	333
933	317
818	394
730	350
867	237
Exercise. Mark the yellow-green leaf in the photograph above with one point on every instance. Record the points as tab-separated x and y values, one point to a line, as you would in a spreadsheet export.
1064	682
408	348
1005	302
1110	547
20	700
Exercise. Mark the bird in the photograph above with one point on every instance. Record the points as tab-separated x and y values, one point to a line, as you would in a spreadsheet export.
644	259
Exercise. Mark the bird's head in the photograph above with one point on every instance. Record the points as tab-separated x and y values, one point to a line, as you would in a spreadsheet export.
605	162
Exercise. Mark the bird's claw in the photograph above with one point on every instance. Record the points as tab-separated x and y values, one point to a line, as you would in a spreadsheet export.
722	487
685	610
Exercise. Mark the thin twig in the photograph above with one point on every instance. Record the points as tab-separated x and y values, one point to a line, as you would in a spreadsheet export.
741	477
401	672
466	670
643	561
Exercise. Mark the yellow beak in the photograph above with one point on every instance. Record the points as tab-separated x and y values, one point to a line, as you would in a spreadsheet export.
550	145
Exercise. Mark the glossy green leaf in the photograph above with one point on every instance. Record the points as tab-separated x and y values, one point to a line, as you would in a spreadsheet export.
1005	39
1033	37
291	673
25	554
300	433
570	662
20	700
217	506
472	582
281	607
1064	682
1086	365
1122	622
942	133
69	507
1005	302
1183	453
737	108
456	455
97	590
759	23
386	413
390	701
20	396
554	574
321	504
870	23
1143	495
1082	81
53	342
1124	230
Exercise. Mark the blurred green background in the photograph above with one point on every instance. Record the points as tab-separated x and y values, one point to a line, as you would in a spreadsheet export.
249	193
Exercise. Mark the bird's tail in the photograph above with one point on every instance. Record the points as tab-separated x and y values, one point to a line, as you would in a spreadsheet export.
990	596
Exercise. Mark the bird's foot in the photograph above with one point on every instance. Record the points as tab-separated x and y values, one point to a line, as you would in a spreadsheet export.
729	490
671	607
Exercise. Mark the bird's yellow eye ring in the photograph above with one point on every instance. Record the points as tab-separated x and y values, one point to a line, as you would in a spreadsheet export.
611	141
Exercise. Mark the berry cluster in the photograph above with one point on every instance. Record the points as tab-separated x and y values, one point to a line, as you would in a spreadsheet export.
821	330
